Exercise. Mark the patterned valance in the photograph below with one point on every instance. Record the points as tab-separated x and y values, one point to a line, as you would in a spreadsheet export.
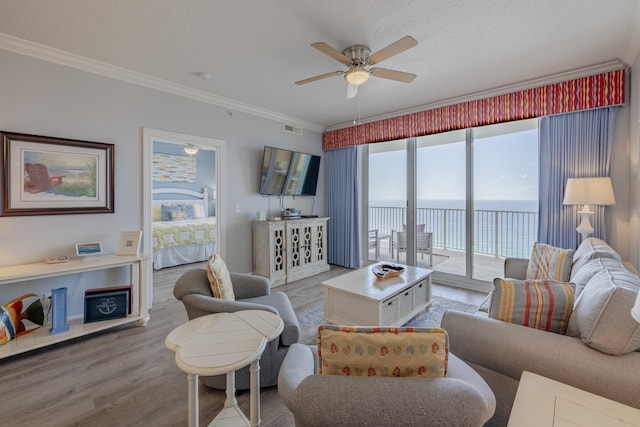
601	90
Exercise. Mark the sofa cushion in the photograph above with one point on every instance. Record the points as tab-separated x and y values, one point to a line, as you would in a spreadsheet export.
591	248
549	263
219	278
602	313
580	277
540	304
383	351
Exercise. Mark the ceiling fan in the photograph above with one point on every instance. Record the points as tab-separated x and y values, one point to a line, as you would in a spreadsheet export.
358	57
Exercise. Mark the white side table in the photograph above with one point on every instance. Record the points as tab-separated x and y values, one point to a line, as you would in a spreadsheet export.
219	344
542	402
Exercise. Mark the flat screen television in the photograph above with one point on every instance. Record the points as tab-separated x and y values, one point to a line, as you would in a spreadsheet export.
290	173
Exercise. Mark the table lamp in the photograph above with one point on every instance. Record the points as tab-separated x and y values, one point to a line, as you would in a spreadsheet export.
635	311
587	192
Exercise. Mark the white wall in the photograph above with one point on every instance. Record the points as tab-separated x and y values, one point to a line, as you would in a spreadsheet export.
43	98
634	164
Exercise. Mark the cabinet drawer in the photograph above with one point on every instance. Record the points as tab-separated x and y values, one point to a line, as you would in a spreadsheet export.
389	312
405	301
420	293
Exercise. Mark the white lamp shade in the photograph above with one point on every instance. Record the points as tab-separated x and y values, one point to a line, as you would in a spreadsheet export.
635	311
589	191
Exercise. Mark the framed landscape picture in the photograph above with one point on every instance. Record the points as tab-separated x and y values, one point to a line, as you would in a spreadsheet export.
47	176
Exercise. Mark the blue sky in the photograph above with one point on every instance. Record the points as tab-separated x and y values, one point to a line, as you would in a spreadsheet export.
505	168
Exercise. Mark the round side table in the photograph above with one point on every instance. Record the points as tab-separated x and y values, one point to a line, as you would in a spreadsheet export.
219	344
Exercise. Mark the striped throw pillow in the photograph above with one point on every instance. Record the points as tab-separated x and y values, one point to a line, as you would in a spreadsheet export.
549	263
540	304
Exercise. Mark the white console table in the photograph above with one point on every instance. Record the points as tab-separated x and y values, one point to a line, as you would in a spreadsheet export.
42	337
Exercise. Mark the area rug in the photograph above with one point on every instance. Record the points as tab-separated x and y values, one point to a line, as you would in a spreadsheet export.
429	318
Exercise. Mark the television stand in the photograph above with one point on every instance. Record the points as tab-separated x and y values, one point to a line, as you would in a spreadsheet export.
289	250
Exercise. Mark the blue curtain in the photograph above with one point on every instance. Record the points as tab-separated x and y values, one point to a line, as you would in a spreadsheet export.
342	188
575	145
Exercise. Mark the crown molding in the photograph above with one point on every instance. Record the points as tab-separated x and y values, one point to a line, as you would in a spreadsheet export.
61	57
528	84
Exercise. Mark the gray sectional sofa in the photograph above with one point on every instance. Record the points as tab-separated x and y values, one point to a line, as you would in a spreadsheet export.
599	352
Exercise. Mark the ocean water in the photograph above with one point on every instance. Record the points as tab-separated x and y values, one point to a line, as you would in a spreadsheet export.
495	205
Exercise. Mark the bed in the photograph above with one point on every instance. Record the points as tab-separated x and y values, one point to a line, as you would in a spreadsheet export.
182	230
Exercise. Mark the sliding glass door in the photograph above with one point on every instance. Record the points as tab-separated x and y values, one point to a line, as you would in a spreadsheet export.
441	177
387	200
468	198
505	194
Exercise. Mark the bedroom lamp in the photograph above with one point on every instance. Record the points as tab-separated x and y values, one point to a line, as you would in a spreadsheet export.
191	149
587	192
635	311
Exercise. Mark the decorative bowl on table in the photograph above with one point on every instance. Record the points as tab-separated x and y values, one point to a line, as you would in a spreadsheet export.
384	271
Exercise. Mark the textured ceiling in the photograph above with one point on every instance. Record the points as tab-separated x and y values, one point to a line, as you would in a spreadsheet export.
255	50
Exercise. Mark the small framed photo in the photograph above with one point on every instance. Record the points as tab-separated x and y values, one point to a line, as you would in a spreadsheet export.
129	243
86	249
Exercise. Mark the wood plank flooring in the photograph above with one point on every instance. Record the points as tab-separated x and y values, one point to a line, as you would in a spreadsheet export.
125	376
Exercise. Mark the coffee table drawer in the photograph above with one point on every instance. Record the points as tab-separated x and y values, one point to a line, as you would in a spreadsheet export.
421	293
389	312
405	301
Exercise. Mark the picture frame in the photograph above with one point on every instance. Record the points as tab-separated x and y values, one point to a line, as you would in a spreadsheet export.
105	306
129	243
43	175
88	249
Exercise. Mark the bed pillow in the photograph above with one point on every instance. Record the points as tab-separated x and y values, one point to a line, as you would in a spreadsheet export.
198	210
178	215
540	304
549	263
383	351
219	278
156	213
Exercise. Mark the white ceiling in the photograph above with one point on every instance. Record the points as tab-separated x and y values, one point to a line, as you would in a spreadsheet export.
255	50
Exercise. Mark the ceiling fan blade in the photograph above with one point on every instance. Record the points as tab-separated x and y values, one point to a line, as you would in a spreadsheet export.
321	76
401	45
352	91
400	76
335	54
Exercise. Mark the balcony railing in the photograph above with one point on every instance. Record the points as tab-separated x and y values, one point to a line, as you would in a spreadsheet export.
497	233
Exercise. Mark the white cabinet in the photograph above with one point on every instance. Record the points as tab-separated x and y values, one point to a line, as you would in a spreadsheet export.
285	251
42	337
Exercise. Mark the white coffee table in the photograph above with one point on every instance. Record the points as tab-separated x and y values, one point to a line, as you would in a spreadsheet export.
542	402
358	298
219	344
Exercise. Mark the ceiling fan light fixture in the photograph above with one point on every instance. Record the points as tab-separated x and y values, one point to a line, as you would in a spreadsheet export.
357	76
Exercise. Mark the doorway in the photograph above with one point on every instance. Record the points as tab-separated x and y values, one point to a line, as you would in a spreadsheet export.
217	191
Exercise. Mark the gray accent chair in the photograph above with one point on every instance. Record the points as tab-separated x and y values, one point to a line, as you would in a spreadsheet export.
251	293
460	399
